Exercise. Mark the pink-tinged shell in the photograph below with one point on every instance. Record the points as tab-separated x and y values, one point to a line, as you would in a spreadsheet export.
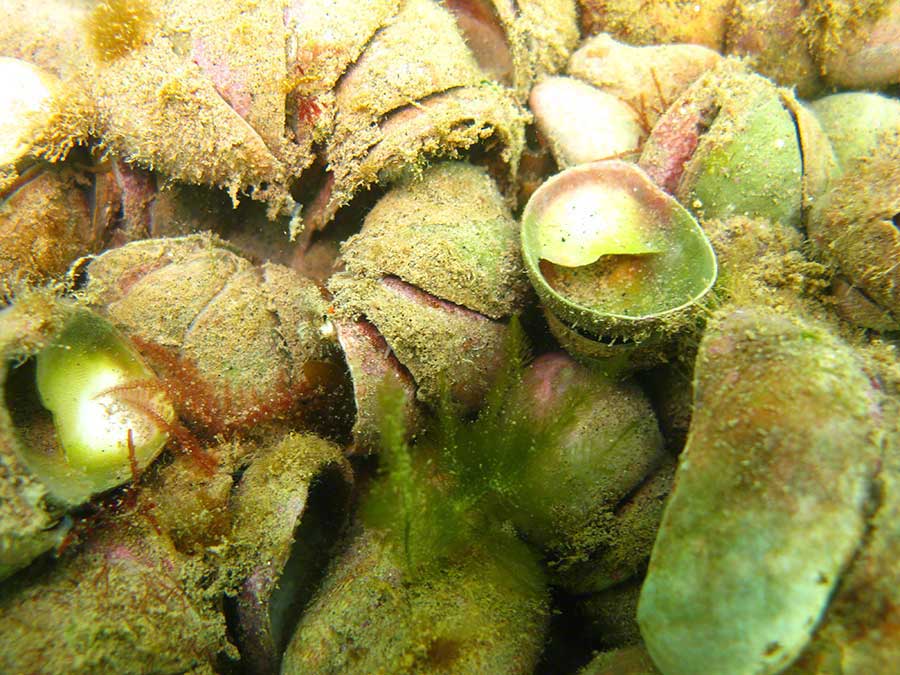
648	79
582	123
373	365
441	344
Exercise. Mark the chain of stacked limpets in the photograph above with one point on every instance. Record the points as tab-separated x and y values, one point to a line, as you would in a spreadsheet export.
706	225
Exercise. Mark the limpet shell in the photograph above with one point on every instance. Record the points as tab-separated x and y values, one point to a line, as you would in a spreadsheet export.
613	257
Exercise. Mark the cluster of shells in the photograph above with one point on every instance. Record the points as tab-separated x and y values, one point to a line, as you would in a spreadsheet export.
225	226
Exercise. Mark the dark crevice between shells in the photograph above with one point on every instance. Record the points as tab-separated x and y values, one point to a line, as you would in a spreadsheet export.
805	204
263	616
567	647
32	423
608	340
895	220
316	254
628	499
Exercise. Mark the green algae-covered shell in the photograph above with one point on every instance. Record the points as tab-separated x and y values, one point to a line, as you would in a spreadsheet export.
612	256
734	144
441	344
859	634
435	270
571	487
628	537
857	123
769	500
610	616
449	233
371	617
127	602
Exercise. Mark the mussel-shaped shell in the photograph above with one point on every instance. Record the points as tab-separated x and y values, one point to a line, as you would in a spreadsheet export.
734	144
573	487
769	501
613	258
582	123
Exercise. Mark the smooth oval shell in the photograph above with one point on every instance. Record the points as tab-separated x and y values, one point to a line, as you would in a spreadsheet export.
857	123
571	486
582	123
769	501
648	79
